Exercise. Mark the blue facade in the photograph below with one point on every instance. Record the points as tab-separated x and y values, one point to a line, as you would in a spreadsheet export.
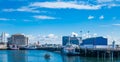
95	41
73	40
65	40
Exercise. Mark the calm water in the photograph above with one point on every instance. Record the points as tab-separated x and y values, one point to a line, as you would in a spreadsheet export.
38	56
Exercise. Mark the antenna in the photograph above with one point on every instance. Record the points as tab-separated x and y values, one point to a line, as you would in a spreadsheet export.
80	37
88	33
81	33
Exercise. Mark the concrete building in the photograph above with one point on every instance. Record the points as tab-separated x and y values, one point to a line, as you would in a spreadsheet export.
2	37
95	41
72	40
18	39
3	44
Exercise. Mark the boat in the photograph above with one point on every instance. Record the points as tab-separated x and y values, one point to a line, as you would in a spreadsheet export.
28	48
69	49
47	56
13	47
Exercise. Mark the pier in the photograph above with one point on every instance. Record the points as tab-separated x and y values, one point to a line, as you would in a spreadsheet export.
91	52
87	52
100	52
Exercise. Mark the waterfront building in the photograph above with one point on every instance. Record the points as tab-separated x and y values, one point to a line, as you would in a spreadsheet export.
18	39
2	37
95	41
3	41
3	45
73	40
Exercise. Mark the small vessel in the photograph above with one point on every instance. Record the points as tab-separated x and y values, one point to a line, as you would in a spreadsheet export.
47	56
13	47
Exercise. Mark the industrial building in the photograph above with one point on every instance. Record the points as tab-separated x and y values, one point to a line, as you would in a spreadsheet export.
95	41
73	40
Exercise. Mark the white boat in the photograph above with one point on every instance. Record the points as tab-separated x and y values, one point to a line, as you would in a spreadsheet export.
69	49
29	48
13	47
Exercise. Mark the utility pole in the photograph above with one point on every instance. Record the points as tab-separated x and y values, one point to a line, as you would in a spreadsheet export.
88	33
80	41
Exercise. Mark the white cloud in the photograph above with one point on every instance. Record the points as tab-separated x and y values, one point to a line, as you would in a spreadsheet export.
73	33
86	35
22	9
26	20
104	1
4	19
95	34
50	38
33	7
7	35
101	17
110	39
64	5
116	24
113	5
90	17
43	17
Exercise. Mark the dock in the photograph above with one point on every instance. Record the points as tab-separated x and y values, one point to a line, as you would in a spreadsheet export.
86	52
91	52
99	52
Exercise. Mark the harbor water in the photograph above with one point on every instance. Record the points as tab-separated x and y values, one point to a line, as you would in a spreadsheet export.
38	56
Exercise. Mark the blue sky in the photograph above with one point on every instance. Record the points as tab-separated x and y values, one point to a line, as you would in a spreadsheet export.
61	17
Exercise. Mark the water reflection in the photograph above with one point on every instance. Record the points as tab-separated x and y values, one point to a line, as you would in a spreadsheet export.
38	56
17	56
3	56
88	59
70	58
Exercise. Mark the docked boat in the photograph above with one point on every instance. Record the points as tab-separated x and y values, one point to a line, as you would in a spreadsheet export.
28	48
13	47
69	49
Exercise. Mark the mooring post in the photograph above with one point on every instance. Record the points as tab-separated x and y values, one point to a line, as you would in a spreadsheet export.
97	54
85	51
104	55
112	53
